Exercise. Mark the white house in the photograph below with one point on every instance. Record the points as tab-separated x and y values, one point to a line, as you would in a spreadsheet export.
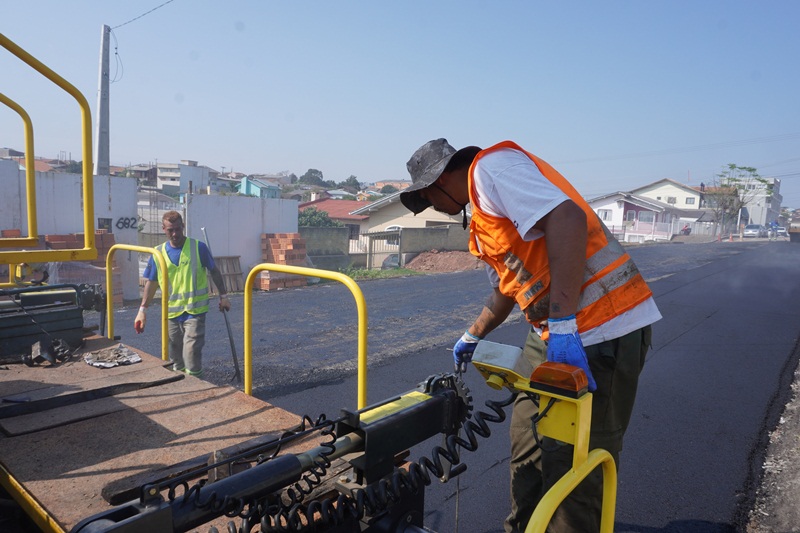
672	193
389	211
635	218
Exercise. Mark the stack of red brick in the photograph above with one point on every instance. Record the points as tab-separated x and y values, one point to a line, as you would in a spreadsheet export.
89	271
282	249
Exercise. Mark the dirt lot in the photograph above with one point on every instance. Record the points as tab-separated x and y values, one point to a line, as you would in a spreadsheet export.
436	261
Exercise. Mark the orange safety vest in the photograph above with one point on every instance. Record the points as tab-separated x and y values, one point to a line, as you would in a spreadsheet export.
611	286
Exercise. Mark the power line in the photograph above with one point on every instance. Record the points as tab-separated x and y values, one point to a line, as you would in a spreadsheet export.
143	14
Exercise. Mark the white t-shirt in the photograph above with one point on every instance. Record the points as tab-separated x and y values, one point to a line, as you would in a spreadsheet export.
509	185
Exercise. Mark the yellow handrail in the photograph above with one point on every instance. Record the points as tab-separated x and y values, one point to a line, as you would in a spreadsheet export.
563	487
566	418
361	307
29	504
89	251
30	178
163	281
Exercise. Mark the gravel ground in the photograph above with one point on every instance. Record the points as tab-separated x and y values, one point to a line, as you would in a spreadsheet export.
777	509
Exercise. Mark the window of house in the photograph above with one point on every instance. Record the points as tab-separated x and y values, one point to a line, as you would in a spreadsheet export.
604	214
104	223
630	216
671	200
646	216
690	201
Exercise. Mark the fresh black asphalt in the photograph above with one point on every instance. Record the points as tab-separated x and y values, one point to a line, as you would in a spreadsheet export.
715	382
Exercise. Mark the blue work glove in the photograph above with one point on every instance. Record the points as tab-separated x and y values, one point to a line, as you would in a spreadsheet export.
565	346
462	351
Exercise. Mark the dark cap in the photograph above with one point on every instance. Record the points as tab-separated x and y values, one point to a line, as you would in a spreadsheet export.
425	167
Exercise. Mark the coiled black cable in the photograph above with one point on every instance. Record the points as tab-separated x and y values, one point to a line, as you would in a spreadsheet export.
250	510
378	496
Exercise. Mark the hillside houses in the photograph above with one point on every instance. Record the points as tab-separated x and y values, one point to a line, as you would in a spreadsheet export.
653	211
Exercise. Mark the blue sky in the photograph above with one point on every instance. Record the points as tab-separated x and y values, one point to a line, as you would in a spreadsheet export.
614	94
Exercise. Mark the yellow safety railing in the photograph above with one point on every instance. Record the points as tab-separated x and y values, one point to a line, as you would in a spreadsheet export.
163	281
564	416
569	420
89	251
32	508
558	493
361	307
30	176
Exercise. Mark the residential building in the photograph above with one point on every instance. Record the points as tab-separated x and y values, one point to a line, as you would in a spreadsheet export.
673	193
388	211
341	211
255	187
179	178
397	184
146	175
10	152
339	194
281	178
636	218
762	201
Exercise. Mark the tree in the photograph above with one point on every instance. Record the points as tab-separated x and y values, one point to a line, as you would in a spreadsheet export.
311	216
351	184
312	177
388	189
732	190
74	167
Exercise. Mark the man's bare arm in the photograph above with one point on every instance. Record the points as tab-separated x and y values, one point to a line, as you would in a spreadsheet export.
497	308
219	283
565	234
150	288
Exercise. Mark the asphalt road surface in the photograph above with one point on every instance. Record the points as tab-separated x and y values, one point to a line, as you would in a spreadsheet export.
714	385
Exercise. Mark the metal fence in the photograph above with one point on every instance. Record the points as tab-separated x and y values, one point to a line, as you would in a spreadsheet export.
382	248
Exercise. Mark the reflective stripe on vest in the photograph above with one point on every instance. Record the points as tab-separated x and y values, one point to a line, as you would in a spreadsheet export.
611	286
188	281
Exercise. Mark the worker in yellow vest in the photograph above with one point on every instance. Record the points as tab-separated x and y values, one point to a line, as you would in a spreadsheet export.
187	262
549	253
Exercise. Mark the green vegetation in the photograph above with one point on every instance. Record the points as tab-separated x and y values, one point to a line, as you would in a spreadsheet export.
312	217
364	274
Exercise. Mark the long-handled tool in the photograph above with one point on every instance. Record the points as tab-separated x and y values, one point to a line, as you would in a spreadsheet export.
238	375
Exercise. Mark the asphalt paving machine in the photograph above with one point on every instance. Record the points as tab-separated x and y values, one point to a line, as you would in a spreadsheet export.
360	477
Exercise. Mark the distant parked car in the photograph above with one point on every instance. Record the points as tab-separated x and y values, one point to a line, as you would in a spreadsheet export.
755	230
782	232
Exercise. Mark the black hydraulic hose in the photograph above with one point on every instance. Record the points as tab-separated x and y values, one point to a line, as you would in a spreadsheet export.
378	496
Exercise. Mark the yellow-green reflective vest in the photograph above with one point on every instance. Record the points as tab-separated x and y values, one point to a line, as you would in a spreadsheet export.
188	281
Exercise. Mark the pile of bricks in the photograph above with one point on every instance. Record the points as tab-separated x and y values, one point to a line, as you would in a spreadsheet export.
282	249
88	272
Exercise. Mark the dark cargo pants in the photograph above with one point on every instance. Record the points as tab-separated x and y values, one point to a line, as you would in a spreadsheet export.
615	365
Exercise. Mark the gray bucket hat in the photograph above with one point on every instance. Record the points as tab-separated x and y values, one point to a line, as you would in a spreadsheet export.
425	167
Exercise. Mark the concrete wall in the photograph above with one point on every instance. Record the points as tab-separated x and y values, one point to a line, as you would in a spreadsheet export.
328	248
234	224
59	210
451	238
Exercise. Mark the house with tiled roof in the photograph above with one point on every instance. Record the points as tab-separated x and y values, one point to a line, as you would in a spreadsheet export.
40	164
341	211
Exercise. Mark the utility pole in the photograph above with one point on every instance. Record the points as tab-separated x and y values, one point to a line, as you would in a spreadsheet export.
101	163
